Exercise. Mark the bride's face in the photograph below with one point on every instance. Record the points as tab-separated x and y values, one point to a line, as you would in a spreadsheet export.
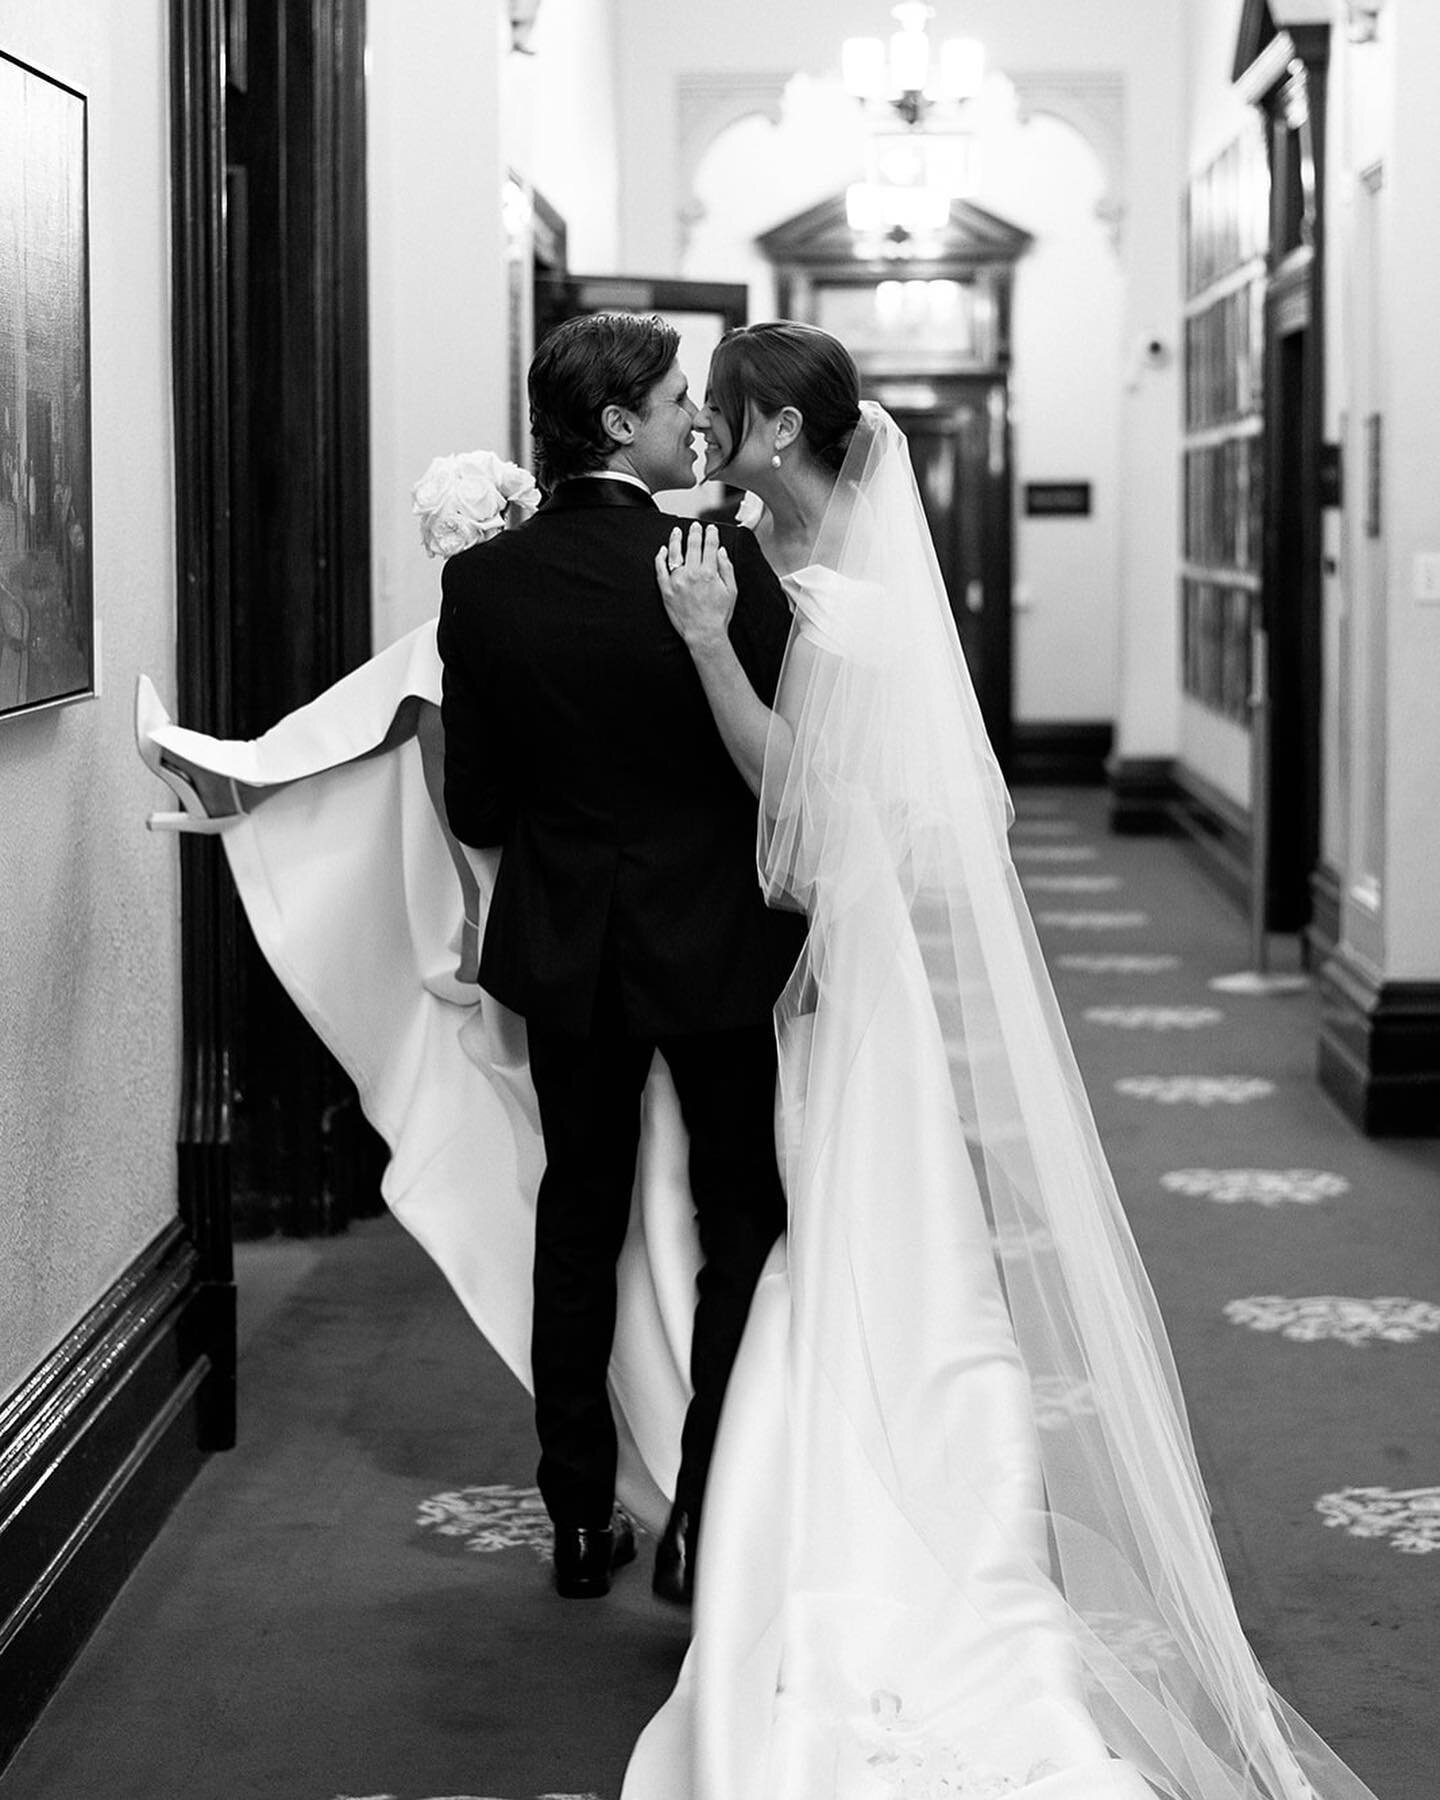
737	464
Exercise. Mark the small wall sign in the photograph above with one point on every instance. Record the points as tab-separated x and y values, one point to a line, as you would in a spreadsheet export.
1057	499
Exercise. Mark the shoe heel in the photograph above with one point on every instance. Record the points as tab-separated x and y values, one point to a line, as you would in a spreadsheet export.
151	718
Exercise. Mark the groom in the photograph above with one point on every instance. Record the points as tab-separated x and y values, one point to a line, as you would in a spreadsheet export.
626	916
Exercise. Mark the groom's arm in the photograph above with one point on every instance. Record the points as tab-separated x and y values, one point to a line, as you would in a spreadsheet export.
477	799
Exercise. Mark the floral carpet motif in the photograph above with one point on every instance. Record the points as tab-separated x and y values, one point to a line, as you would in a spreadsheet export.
1265	1187
1072	884
1093	921
1155	1018
1141	1644
1015	1242
1409	1517
1057	1401
1196	1090
1116	963
1053	853
1310	1319
489	1519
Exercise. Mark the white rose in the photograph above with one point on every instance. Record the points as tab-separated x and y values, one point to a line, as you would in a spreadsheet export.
463	499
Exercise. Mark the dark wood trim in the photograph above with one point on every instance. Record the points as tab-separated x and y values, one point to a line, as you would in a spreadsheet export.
201	326
1141	790
1379	1049
1293	105
1060	752
1322	934
1217	830
96	1446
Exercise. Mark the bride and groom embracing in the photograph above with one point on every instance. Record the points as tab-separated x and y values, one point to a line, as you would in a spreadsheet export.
955	1538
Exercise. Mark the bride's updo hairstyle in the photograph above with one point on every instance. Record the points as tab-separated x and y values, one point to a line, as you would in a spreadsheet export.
762	368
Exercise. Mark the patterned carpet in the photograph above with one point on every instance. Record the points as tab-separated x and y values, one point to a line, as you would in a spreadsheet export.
354	1605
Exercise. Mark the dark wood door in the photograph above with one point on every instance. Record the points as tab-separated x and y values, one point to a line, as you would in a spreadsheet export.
303	1159
1291	619
959	446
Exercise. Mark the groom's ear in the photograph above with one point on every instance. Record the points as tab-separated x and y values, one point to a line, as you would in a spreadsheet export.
618	423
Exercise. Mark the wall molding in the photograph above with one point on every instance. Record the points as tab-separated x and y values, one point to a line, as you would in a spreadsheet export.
1379	1048
1092	102
1322	934
1141	789
1218	831
96	1446
1060	752
707	102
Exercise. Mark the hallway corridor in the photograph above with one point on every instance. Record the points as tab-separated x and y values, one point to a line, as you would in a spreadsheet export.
356	1601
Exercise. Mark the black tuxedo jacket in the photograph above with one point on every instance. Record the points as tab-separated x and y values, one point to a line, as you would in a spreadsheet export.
578	738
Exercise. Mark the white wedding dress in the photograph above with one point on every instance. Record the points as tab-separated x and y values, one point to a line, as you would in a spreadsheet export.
955	1541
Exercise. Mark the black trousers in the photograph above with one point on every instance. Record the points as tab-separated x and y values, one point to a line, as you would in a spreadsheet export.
589	1091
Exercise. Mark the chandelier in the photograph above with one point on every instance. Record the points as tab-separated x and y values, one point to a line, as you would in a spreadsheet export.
921	151
904	77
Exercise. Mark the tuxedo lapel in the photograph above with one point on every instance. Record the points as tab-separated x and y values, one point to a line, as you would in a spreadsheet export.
593	491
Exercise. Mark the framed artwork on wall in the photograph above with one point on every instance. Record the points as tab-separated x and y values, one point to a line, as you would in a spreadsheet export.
47	604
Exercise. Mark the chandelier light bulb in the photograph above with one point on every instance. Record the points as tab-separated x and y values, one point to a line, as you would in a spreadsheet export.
909	57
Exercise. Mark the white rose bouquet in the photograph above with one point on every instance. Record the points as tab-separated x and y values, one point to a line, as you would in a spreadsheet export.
462	499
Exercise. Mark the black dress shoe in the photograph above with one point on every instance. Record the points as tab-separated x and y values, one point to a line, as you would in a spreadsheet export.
586	1556
674	1578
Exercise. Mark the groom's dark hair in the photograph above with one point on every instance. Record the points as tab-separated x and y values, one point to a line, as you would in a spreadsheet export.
583	366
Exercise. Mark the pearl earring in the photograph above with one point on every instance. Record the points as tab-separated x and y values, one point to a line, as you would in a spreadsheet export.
775	459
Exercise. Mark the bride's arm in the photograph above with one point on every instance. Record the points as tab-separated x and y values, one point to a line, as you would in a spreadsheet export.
697	584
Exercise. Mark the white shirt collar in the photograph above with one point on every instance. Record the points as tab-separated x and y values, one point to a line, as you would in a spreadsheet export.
615	475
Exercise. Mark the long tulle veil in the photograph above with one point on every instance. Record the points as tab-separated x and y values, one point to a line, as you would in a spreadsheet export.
888	824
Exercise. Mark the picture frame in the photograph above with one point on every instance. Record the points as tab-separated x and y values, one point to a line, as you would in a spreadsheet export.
47	590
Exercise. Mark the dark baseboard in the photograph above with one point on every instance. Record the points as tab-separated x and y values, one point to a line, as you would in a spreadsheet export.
1322	934
1379	1049
1216	829
1141	788
96	1446
1060	752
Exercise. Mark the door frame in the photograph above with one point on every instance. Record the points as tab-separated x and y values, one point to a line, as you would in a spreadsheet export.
209	38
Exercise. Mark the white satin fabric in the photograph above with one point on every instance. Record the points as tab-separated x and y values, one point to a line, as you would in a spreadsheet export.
955	1541
370	913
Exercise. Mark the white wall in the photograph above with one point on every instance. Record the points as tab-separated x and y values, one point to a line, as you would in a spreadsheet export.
1066	384
1088	647
88	899
438	306
1067	392
444	134
1412	502
560	127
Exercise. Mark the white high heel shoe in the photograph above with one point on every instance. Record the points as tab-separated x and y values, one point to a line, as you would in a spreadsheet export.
178	773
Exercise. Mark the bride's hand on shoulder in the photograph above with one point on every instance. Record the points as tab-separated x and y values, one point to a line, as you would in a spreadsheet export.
697	584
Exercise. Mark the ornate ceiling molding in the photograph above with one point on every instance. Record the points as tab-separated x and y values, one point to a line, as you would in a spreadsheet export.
706	102
1092	101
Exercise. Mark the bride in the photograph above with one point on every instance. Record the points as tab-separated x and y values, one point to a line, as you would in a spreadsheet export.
956	1540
